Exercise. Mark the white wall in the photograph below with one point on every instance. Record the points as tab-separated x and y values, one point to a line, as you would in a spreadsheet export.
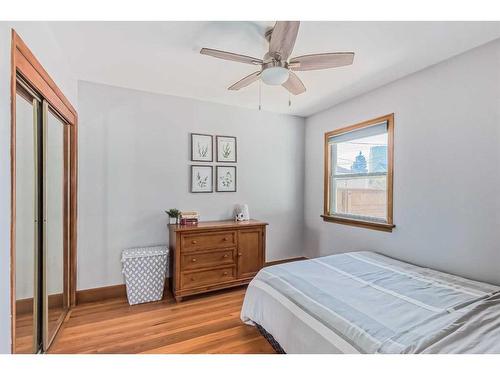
4	189
447	168
40	40
134	164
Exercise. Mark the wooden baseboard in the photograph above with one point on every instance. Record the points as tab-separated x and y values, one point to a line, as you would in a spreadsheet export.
120	291
99	294
107	292
25	306
280	261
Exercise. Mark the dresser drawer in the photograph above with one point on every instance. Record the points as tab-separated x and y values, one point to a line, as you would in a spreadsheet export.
195	279
208	259
208	240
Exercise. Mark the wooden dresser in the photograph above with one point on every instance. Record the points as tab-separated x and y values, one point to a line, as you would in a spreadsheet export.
215	255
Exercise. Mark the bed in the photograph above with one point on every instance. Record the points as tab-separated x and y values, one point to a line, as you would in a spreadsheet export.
364	302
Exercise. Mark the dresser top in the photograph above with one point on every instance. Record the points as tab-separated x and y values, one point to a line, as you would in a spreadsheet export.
223	224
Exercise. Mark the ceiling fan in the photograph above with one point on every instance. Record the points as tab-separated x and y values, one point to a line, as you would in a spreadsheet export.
275	67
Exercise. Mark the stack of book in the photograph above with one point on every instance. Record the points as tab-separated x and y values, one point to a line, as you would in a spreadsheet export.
189	217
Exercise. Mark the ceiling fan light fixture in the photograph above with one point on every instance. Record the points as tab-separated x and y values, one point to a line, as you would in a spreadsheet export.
276	66
275	75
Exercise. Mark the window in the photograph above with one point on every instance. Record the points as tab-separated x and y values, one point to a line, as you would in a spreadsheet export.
358	174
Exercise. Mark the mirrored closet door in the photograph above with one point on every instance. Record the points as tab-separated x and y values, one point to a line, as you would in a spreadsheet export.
27	241
55	223
44	160
42	221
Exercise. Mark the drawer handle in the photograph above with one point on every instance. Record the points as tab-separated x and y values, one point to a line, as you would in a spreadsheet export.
192	278
225	273
225	256
226	239
193	260
240	254
194	242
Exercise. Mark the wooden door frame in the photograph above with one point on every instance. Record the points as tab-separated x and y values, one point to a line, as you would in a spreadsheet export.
24	62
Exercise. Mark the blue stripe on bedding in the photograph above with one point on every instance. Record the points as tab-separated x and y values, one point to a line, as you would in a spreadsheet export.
371	301
331	311
442	297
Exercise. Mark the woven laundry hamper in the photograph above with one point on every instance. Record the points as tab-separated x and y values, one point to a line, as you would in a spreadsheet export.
145	270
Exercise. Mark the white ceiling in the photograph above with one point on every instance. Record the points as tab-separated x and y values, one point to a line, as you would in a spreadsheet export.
163	57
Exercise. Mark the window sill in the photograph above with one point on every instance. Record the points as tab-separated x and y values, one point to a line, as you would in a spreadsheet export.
359	223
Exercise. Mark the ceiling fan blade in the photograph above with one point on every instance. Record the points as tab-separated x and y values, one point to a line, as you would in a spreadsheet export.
321	61
283	38
244	82
294	84
231	56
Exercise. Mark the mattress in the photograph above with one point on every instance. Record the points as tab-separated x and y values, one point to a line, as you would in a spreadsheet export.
364	302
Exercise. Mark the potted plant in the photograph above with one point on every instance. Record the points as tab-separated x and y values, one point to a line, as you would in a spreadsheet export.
173	213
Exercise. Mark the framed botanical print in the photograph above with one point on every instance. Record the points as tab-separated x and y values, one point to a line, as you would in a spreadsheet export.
226	149
201	147
226	178
202	179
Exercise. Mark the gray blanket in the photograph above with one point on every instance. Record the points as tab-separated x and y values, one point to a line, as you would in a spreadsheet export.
364	302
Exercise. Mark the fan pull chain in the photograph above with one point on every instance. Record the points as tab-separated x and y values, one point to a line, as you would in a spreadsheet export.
260	95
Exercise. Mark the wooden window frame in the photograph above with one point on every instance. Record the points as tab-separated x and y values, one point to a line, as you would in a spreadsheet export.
24	62
389	225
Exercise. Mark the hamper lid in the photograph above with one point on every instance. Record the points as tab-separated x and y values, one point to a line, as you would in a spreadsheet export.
142	252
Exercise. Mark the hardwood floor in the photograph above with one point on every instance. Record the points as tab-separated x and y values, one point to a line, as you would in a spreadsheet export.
205	324
24	329
24	333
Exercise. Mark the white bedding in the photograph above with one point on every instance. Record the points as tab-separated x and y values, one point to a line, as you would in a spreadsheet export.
364	302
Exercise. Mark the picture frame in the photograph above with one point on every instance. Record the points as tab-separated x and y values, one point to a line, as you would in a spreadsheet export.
201	147
226	149
226	178
202	179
